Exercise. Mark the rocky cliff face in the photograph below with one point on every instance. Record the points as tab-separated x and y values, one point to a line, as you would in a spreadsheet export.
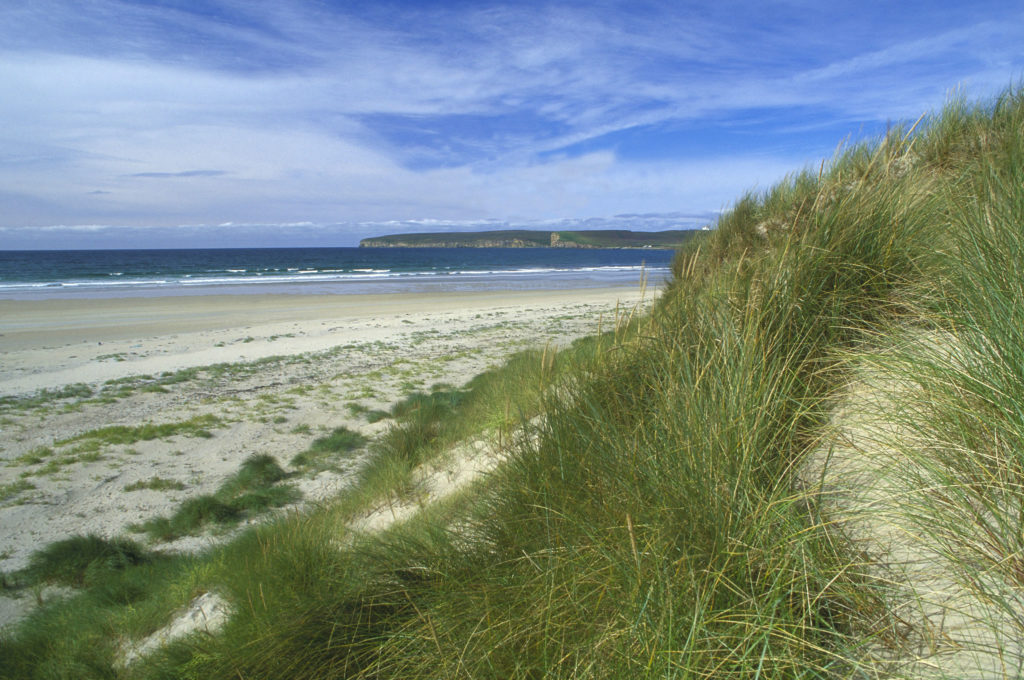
557	242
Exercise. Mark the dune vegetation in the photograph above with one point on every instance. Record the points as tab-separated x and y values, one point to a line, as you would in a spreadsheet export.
806	461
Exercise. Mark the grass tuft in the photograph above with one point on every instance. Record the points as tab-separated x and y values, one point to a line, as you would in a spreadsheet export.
80	560
253	489
45	397
123	434
325	451
14	489
155	484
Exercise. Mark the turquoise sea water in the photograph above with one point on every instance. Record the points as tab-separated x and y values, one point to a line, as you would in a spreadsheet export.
142	273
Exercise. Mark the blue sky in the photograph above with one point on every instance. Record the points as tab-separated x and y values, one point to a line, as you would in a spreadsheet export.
316	122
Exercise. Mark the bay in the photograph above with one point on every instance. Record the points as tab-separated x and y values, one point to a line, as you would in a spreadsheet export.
142	273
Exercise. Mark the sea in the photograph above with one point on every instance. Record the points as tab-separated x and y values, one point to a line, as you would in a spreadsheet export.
39	274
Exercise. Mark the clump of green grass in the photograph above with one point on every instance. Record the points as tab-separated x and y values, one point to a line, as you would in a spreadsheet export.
192	516
180	376
87	453
46	397
198	426
340	440
89	446
155	484
376	415
255	472
35	456
370	415
79	560
253	489
117	356
324	451
14	489
354	408
497	401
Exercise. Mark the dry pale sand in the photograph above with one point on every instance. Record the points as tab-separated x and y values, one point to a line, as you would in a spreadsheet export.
291	367
945	623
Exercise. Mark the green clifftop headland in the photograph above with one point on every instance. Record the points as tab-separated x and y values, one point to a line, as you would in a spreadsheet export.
529	238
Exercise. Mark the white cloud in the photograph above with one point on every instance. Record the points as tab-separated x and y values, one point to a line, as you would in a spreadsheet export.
124	113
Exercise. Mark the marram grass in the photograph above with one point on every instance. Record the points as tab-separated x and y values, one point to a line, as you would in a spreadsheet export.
656	523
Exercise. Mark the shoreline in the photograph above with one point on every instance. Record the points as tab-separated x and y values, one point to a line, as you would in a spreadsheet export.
194	312
46	344
442	285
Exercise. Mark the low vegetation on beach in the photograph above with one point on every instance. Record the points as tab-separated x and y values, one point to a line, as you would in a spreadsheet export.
257	486
744	482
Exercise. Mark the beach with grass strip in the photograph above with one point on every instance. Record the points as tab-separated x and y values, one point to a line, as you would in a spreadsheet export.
178	421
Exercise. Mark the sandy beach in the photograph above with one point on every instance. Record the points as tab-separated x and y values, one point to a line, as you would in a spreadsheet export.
274	371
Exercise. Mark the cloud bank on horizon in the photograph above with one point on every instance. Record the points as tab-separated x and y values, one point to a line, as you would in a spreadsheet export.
157	123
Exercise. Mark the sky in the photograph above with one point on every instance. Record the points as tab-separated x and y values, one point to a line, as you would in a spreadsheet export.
174	123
